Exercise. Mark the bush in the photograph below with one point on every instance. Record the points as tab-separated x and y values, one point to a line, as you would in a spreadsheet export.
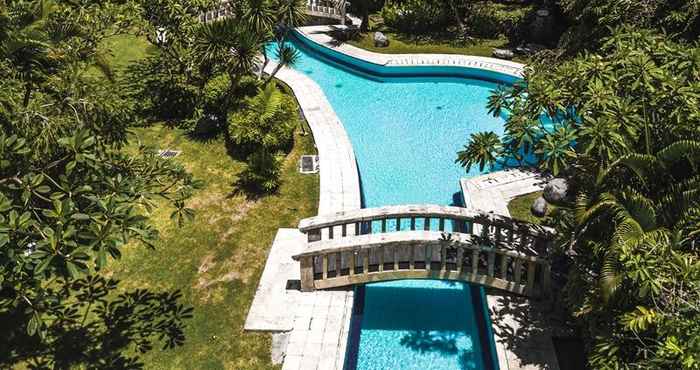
414	16
159	95
489	20
267	122
262	175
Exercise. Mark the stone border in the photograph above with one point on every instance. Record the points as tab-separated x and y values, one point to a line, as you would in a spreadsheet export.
339	178
319	35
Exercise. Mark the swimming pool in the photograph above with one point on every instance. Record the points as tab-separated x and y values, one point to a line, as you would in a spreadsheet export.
406	125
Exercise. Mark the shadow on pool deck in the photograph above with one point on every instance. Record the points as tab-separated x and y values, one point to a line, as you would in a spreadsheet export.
525	327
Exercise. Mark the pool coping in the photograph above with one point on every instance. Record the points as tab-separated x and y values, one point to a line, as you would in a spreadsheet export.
318	35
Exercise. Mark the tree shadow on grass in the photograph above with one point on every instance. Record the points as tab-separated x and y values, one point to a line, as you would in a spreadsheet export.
89	323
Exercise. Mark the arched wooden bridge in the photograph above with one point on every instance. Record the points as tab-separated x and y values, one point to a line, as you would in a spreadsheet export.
425	242
329	9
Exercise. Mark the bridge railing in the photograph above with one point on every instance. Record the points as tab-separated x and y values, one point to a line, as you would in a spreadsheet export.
323	8
425	241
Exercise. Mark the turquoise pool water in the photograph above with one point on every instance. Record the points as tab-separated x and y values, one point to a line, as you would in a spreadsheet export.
420	324
405	130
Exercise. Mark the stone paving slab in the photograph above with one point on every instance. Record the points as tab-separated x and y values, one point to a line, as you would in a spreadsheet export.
523	332
493	191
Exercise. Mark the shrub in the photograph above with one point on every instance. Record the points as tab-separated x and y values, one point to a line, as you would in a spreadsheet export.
414	16
489	20
267	121
262	175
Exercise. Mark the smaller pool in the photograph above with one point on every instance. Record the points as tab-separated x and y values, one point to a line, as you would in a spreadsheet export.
423	324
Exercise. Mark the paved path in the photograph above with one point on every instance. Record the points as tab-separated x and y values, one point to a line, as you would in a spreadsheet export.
340	182
312	328
493	191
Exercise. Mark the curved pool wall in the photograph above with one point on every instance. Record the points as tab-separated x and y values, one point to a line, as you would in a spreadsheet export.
405	124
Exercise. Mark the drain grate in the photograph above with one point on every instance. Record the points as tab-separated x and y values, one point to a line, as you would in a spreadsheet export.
308	164
169	153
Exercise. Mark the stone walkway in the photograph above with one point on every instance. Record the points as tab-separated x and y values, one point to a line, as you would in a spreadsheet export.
320	35
311	329
339	180
493	191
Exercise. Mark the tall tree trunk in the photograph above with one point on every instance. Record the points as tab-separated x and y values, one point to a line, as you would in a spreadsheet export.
458	18
265	61
364	27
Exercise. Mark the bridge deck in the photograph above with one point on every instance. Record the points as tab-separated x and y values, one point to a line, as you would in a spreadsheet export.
424	241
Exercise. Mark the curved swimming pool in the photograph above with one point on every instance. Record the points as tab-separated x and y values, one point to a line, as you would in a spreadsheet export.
406	125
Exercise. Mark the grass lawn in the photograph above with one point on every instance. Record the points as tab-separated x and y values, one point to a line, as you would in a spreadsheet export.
216	260
519	208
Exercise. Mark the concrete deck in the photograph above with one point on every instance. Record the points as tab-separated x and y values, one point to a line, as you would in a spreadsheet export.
312	327
493	191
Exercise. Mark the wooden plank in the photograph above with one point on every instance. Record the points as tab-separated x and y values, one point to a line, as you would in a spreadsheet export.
428	257
307	274
365	262
531	277
324	266
412	258
403	239
396	257
351	262
460	257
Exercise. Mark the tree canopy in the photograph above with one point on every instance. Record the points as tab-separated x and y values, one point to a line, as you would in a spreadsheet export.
621	125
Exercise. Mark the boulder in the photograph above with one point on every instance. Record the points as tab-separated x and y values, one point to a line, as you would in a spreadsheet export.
380	40
555	191
503	53
539	207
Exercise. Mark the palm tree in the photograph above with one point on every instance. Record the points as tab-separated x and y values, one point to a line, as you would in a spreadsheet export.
483	148
259	17
521	135
287	56
655	214
227	45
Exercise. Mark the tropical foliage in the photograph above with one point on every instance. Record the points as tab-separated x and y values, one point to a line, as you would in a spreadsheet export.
621	126
72	196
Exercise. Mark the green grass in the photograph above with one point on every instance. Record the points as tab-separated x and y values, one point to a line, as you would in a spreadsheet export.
126	49
519	208
402	44
217	260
